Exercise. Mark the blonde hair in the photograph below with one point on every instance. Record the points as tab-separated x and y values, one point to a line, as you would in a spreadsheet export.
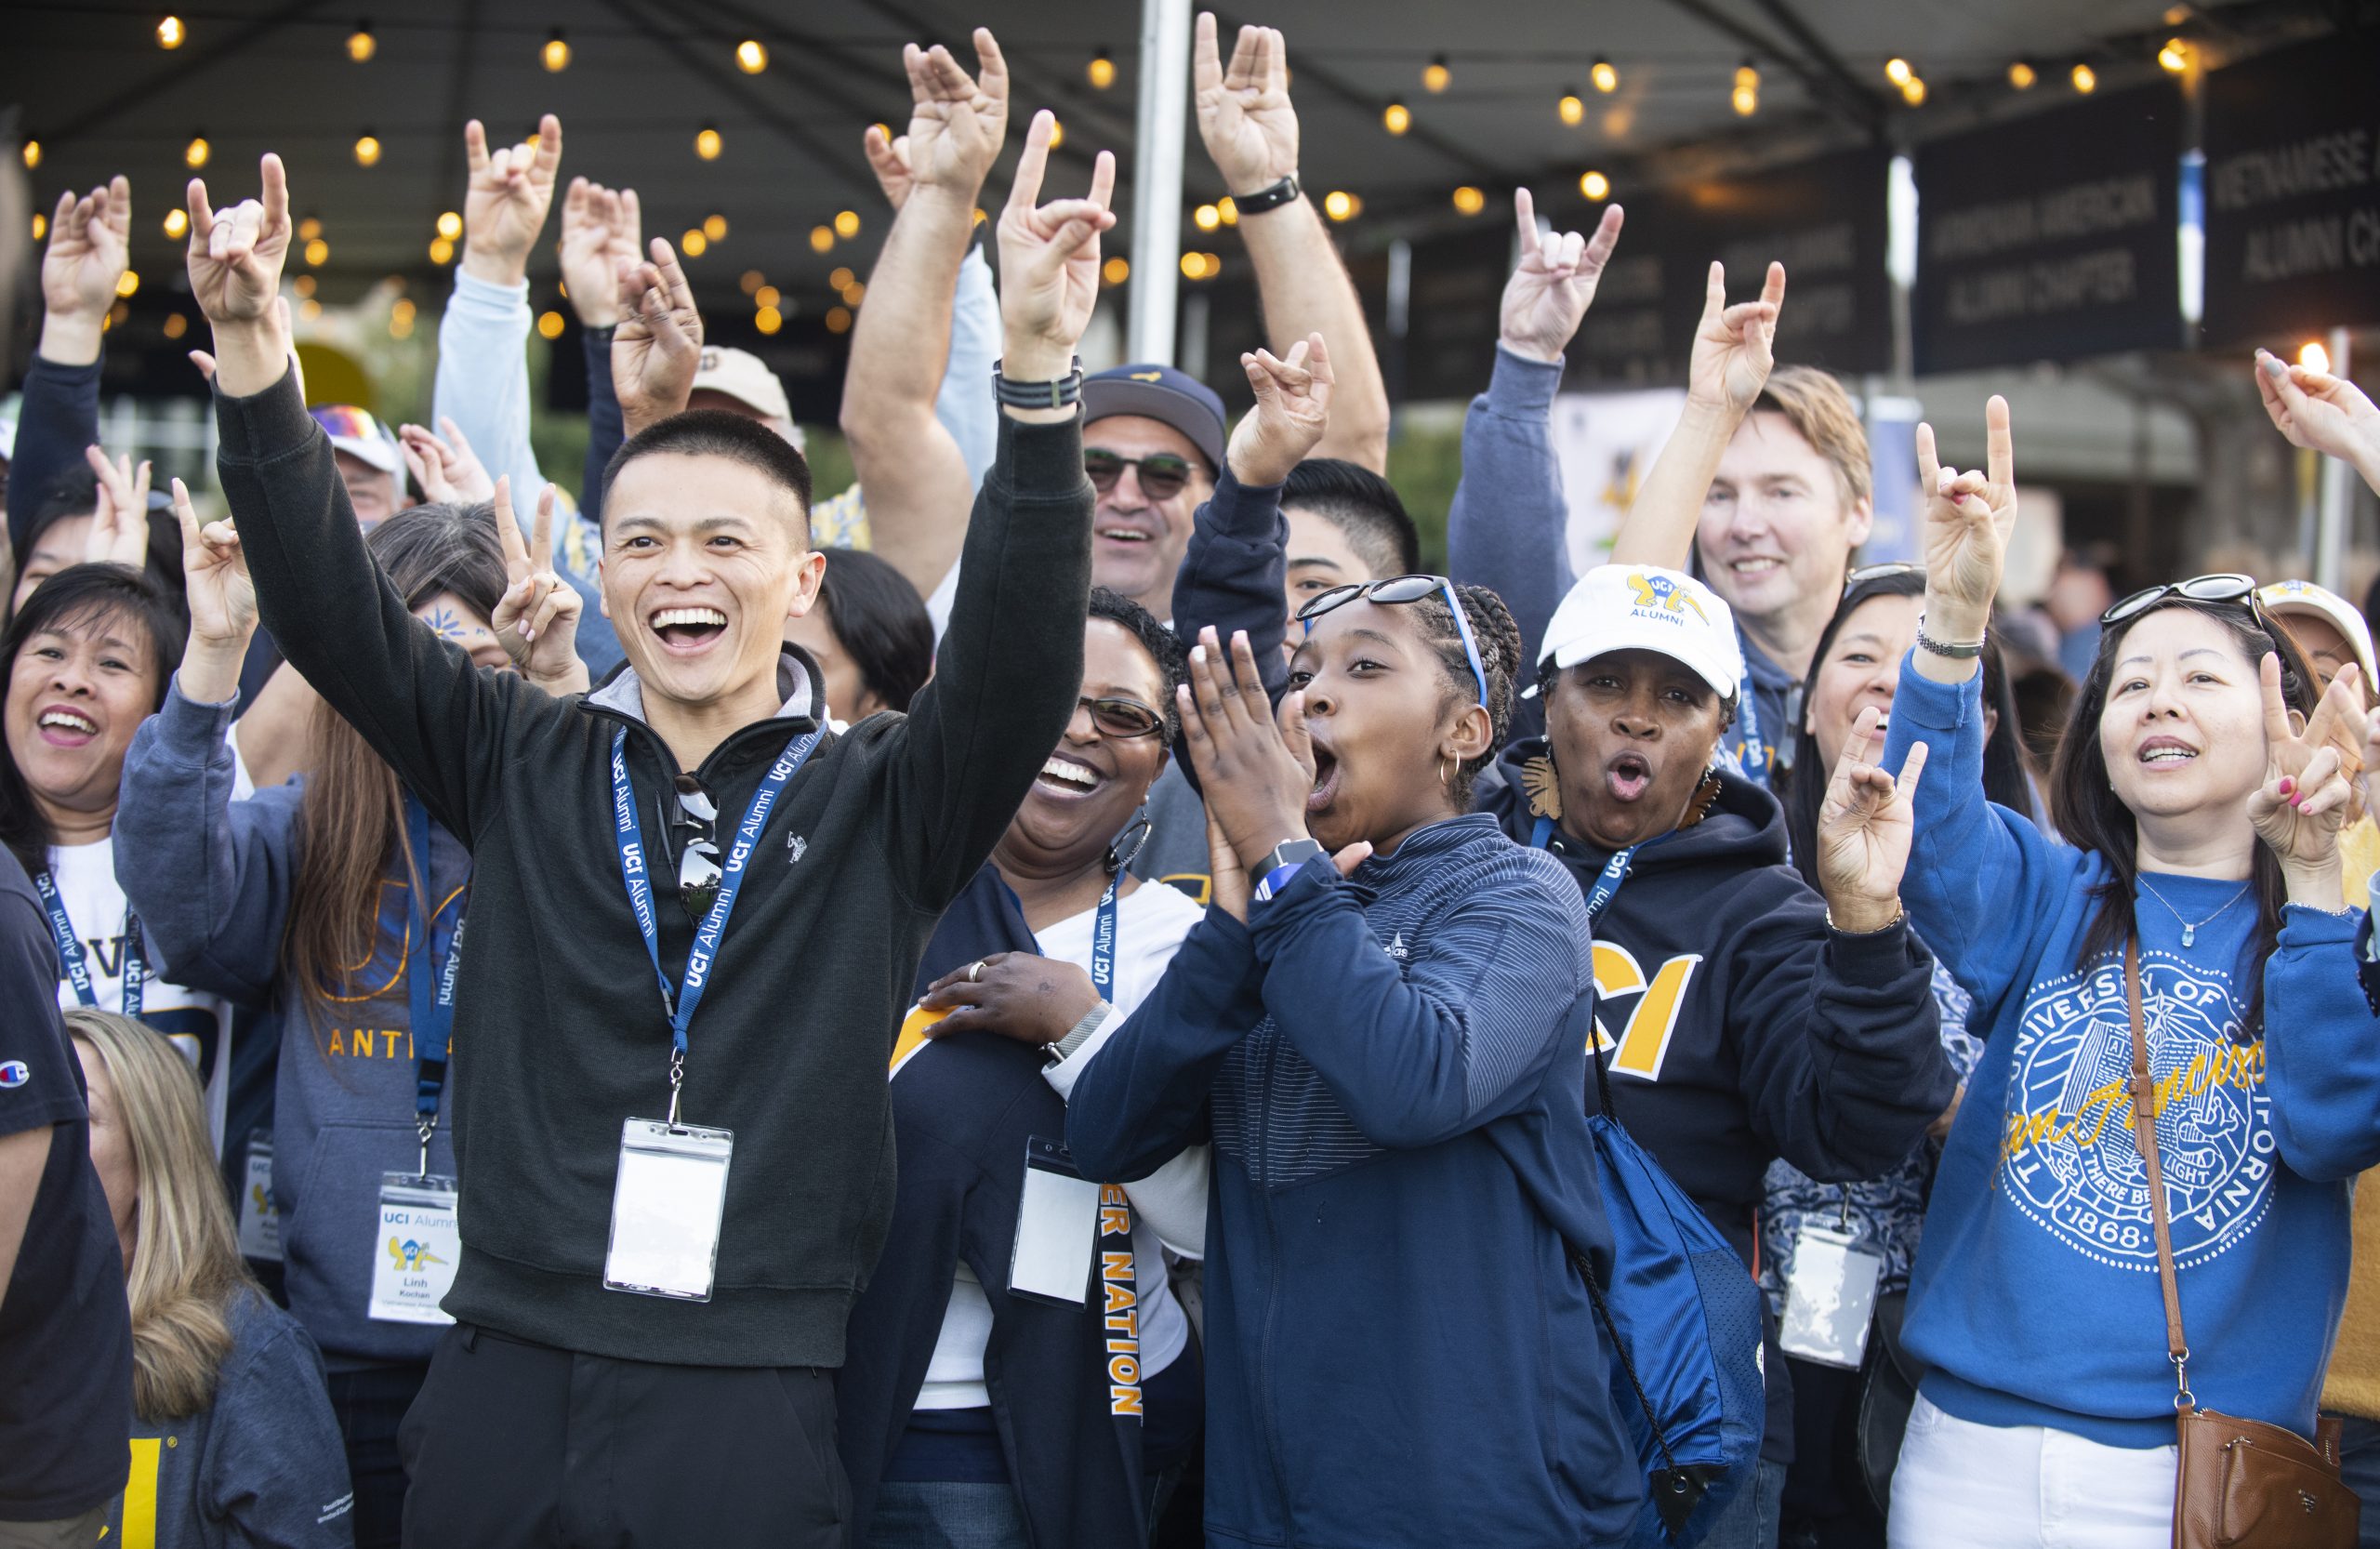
186	1263
1815	403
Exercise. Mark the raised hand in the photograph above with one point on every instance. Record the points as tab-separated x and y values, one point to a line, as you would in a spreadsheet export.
89	243
1734	346
120	520
888	157
600	227
503	208
2316	410
1554	283
1020	994
1244	111
447	469
1049	261
1292	410
214	576
1865	824
1968	519
235	257
658	345
2303	803
537	619
957	122
1255	782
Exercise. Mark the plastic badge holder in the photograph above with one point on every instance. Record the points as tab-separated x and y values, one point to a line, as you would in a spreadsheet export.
1057	1223
1830	1298
666	1208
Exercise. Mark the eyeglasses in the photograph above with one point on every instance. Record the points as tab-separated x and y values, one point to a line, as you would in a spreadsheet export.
699	868
2224	587
1122	718
1162	473
1402	588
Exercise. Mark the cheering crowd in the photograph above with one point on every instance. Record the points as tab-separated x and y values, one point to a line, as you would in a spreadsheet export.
658	1018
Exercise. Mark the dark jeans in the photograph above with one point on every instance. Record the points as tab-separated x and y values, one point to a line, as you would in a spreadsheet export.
514	1443
1750	1521
1827	1505
2360	1466
371	1403
945	1515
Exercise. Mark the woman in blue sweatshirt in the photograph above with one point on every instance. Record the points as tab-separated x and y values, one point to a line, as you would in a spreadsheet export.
314	898
1386	1050
2204	833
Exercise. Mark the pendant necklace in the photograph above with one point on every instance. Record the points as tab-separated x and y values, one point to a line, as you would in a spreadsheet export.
2189	928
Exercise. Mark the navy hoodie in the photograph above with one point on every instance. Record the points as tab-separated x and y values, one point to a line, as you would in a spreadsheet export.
1745	1029
214	890
1400	1348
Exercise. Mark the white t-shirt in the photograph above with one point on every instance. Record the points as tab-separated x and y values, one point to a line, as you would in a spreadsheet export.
199	1026
1150	922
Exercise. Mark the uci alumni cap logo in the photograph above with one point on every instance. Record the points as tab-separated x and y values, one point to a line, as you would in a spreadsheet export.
15	1072
1659	594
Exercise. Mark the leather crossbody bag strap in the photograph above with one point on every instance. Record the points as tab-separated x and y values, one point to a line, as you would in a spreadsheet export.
2144	1136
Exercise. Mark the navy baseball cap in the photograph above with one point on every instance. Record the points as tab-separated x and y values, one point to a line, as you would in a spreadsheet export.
1161	392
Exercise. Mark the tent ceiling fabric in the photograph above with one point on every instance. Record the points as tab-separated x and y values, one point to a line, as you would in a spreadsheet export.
644	75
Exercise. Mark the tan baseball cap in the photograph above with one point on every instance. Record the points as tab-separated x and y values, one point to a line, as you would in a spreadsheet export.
740	373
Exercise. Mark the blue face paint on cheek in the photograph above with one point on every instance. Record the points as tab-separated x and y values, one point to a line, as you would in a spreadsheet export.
446	623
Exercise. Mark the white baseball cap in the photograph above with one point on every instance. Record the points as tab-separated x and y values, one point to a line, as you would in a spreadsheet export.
2304	598
1643	607
740	375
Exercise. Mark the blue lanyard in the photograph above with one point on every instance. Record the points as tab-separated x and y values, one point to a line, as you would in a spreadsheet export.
1615	870
680	1004
1758	763
77	964
429	985
1102	941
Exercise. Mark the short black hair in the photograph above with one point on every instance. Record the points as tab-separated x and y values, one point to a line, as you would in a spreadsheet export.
1364	507
1162	644
718	433
882	622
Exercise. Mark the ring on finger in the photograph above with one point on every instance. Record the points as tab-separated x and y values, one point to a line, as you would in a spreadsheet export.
975	971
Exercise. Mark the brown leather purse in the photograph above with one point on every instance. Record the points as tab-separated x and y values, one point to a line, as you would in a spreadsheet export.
2241	1484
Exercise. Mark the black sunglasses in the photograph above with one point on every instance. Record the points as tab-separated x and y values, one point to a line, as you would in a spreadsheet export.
1122	718
2228	586
698	869
1162	473
1402	588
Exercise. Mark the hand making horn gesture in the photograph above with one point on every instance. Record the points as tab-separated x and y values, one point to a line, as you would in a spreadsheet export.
1865	825
235	260
1734	346
537	619
657	347
1293	411
1049	262
1968	519
1554	282
503	208
120	520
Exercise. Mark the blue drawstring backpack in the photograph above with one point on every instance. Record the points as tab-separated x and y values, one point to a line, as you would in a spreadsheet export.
1683	1318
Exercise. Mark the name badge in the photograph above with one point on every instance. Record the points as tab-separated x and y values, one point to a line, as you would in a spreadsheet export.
1057	1219
415	1246
666	1208
260	1220
1830	1298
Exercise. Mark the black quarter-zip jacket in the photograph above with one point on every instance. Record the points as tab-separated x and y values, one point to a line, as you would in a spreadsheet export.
560	1034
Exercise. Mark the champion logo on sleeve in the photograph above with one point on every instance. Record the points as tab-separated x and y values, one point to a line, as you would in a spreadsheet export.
15	1072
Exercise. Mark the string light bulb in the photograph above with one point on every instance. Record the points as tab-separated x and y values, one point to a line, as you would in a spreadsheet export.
2085	79
1229	211
1115	270
1396	118
1338	204
750	280
768	296
303	285
1594	185
194	154
318	253
1437	75
171	33
2174	57
838	320
1570	109
1469	200
1206	217
2021	75
400	318
840	277
752	56
768	320
41	225
1101	69
556	53
177	224
1746	96
692	243
129	283
854	293
1607	77
442	251
549	325
1897	71
361	43
2313	357
32	154
1912	91
822	238
176	325
450	225
715	227
847	224
367	150
707	145
308	229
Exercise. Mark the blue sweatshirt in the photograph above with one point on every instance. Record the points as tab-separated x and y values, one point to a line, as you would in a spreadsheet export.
215	894
1399	1349
2035	1298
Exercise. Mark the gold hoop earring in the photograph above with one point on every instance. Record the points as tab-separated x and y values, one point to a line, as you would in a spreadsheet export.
1445	770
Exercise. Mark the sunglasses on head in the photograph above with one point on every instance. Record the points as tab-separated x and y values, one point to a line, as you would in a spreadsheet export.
1882	571
1122	718
698	869
1163	474
1402	588
2224	587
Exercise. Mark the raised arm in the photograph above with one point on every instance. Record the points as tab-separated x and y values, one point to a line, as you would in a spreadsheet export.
1508	528
1010	662
602	227
2315	409
414	699
1730	365
1251	131
89	239
483	380
916	477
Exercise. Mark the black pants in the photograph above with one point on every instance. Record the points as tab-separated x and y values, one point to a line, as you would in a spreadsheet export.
1827	1505
371	1404
512	1443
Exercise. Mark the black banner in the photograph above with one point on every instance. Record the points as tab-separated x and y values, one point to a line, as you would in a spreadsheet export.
2053	237
2293	192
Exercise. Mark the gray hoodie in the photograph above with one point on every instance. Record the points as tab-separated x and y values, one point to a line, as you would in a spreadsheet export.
212	887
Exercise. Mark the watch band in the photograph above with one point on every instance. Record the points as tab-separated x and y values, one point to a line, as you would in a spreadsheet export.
1956	651
1286	192
1284	863
1064	392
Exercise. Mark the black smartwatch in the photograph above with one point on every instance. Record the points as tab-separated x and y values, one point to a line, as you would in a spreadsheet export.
1283	864
1283	193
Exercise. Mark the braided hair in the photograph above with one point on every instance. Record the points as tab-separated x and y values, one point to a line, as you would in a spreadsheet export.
1501	657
